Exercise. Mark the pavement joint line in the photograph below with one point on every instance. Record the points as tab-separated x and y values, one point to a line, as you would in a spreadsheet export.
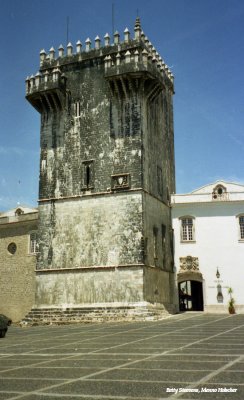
112	333
73	355
89	330
126	369
205	379
62	336
105	370
92	397
175	381
32	379
153	336
86	377
106	335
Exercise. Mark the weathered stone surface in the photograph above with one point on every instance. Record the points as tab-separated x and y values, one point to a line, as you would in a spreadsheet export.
92	313
91	231
17	268
91	286
106	171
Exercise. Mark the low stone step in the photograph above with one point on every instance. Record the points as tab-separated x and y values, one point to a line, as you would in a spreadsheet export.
45	316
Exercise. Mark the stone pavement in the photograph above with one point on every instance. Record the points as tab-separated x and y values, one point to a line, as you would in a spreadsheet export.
187	356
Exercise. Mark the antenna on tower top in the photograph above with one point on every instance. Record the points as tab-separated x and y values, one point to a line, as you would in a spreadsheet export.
67	30
113	30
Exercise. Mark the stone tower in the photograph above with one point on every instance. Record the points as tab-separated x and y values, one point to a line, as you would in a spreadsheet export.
106	174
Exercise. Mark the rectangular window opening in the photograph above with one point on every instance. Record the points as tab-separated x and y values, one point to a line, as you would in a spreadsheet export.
77	109
187	229
155	243
164	243
33	243
241	222
88	175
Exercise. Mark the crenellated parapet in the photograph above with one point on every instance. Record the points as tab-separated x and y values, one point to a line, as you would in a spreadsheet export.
125	61
134	69
47	90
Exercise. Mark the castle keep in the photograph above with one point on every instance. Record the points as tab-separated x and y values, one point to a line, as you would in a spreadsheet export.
106	174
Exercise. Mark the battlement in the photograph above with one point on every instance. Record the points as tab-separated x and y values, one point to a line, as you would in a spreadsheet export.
132	55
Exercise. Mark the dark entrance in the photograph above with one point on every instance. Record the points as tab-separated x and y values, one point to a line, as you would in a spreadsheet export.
190	296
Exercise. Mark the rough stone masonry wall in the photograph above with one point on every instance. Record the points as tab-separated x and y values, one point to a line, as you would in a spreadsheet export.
94	230
91	232
159	277
97	287
68	141
159	183
17	271
158	145
90	226
93	247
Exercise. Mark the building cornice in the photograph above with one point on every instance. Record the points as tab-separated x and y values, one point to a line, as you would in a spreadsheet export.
98	194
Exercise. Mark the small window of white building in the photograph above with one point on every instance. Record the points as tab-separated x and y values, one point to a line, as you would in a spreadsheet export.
241	227
19	212
33	243
219	193
187	229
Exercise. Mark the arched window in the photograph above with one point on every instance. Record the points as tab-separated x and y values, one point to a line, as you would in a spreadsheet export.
187	229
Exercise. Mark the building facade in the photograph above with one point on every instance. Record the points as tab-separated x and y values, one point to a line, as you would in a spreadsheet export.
209	246
106	172
18	247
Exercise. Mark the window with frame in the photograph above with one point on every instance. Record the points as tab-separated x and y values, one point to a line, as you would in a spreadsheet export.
187	229
33	243
241	224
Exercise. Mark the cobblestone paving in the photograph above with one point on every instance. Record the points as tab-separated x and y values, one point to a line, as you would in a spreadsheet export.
187	356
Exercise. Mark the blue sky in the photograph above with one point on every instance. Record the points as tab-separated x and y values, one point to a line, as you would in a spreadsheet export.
201	40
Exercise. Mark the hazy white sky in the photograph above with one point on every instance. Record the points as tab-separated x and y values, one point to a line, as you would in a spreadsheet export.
201	40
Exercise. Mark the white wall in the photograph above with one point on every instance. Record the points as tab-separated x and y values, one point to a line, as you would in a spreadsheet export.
217	245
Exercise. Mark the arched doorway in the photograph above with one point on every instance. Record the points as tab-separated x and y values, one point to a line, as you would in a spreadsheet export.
190	285
190	295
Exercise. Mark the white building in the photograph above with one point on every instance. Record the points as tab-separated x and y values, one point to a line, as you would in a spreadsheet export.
209	246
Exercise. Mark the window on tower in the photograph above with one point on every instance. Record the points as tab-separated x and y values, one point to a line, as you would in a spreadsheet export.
155	243
164	243
159	181
88	175
77	109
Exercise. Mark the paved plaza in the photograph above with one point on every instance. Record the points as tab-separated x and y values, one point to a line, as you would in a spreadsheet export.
186	356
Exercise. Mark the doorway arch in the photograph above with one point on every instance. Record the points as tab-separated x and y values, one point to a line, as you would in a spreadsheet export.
190	295
190	285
